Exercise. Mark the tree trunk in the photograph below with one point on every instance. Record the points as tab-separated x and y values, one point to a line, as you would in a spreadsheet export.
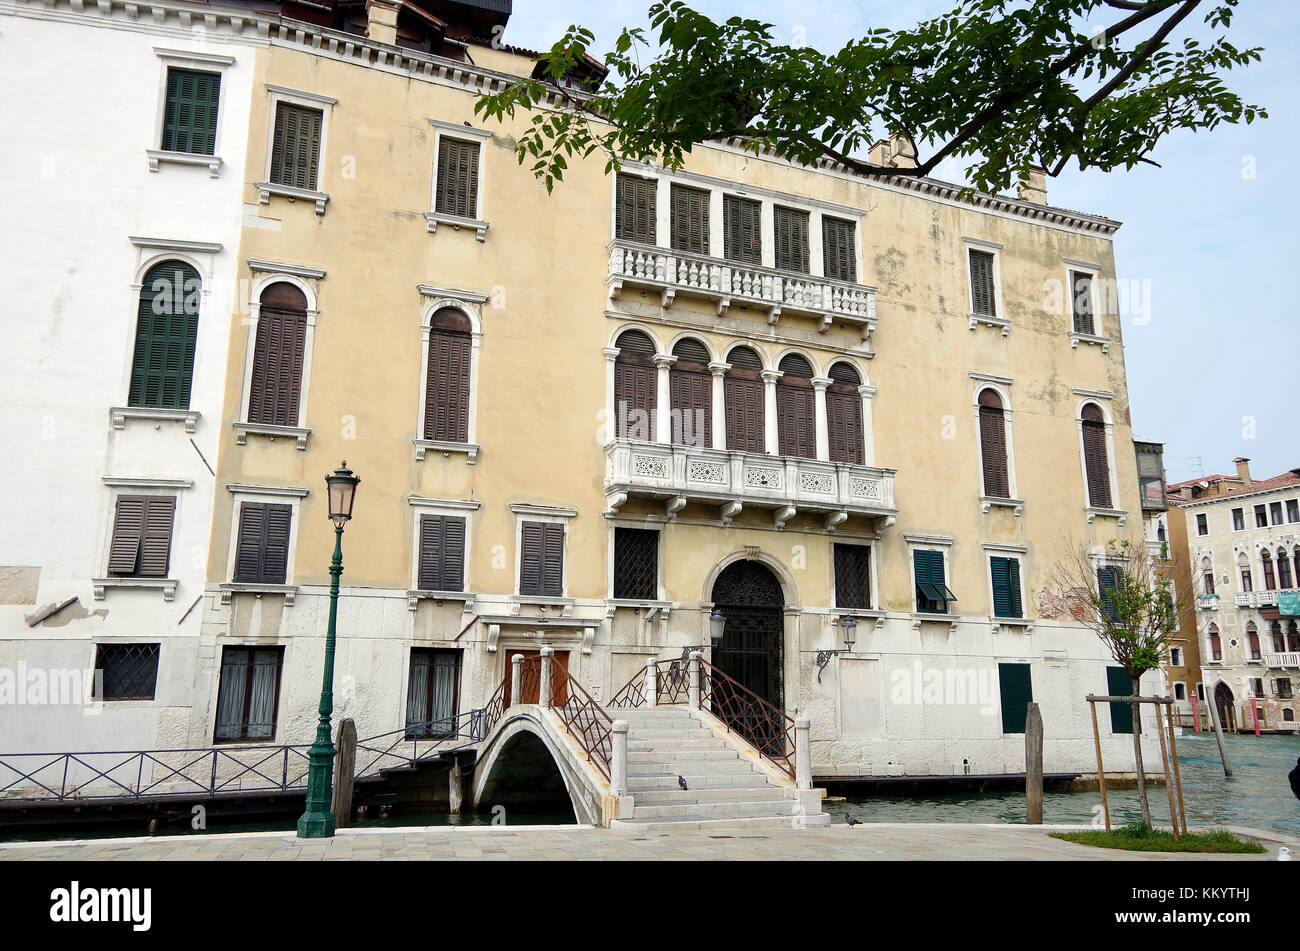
1137	755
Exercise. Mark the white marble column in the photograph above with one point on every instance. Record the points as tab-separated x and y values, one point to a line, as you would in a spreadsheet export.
719	371
611	411
868	393
663	398
823	426
771	435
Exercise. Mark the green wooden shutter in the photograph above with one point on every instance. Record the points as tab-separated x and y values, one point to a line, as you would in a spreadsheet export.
742	240
295	146
530	558
635	213
838	259
1006	587
790	229
262	552
190	113
553	560
457	188
983	298
167	326
1017	692
1119	684
1107	585
932	592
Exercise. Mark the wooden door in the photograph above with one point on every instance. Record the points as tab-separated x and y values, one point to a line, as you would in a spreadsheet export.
529	681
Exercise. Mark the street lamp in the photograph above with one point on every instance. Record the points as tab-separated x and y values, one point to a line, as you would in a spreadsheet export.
717	624
848	629
318	821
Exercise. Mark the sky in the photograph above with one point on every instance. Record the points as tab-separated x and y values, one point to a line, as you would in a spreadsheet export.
1209	248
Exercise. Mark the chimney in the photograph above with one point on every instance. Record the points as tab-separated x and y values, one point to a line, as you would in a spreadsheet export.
1034	188
1243	469
896	152
381	21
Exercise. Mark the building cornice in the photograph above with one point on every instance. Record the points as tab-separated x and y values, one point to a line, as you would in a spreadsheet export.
1289	489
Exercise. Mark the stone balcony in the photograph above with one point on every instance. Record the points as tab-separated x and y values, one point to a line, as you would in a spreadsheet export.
725	283
1283	660
733	480
1258	599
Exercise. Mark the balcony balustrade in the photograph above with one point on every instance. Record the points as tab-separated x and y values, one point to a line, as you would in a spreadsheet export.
1282	660
1258	599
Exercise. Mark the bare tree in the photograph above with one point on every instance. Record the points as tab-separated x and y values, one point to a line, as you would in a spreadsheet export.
1127	602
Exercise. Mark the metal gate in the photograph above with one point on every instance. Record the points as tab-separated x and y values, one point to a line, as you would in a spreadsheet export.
749	596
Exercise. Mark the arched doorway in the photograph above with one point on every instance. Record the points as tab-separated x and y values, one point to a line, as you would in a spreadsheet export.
1223	700
749	596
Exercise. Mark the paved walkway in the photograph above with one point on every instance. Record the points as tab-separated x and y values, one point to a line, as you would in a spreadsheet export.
873	841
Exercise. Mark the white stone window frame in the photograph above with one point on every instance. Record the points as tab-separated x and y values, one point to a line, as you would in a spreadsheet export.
200	255
152	488
658	606
1018	554
942	544
1175	657
663	359
554	515
999	321
308	100
199	62
1096	338
453	508
1103	401
273	495
873	577
307	280
473	136
1001	385
469	303
865	389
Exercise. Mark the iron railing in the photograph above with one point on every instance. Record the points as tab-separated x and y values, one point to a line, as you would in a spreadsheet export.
585	719
417	742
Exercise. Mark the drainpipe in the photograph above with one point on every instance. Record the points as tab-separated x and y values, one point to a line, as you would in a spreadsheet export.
516	677
544	688
618	759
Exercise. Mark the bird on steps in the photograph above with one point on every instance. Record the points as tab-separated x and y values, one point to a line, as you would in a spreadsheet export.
852	822
681	782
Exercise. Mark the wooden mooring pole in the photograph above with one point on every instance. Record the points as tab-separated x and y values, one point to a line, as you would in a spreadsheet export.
1164	761
1033	765
453	788
345	767
1218	731
1178	776
1101	772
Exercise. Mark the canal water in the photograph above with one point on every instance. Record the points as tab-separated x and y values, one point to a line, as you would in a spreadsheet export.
1256	795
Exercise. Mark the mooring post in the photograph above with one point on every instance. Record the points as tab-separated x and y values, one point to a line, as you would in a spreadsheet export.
618	758
1196	714
1254	713
1218	731
345	767
651	682
802	754
693	697
516	678
1178	776
1033	765
1101	770
1164	761
544	688
454	794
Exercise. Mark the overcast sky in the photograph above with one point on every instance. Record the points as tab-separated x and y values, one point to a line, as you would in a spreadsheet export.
1211	340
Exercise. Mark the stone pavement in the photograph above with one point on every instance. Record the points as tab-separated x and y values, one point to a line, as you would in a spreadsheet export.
872	841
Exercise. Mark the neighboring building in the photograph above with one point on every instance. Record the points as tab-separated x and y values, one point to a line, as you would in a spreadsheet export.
589	419
1243	549
123	152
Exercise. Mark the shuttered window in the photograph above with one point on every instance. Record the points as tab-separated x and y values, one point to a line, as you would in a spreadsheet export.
456	191
743	390
249	693
993	445
838	258
1119	684
446	396
690	387
442	553
541	559
190	113
126	671
281	340
1016	695
790	229
295	148
636	386
636	564
1006	587
1108	583
932	591
432	693
795	412
844	428
166	332
1095	462
142	536
983	295
635	212
690	220
262	552
852	576
741	231
1081	302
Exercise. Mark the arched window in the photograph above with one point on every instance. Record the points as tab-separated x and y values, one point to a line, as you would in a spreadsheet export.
635	386
276	386
1243	564
1270	580
1160	532
844	415
1283	569
1252	637
1216	645
993	445
796	414
1288	714
446	386
1295	560
165	334
1275	632
1292	636
744	397
1095	462
690	386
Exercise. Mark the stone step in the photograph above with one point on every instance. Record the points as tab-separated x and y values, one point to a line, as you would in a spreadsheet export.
638	783
713	755
687	768
637	734
707	823
702	794
677	746
717	809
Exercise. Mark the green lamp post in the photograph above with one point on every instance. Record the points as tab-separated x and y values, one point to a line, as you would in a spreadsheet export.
318	821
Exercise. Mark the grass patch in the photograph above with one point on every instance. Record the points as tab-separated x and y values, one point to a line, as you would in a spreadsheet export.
1137	837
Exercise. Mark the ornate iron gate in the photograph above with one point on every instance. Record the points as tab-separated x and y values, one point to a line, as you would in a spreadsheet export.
749	596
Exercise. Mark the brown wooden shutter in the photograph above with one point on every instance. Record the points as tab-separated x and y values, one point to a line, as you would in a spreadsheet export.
983	298
1094	458
635	386
295	148
790	229
744	397
541	559
248	552
457	190
838	258
1081	302
635	217
844	424
795	411
993	445
128	532
275	389
741	230
446	395
692	405
156	545
262	553
442	553
690	220
530	558
275	555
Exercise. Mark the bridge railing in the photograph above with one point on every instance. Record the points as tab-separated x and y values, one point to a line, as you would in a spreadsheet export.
417	742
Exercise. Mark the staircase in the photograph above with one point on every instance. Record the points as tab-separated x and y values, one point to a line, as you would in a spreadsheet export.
727	787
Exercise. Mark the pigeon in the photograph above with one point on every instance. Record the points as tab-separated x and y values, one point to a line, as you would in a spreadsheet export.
1283	855
852	822
681	782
